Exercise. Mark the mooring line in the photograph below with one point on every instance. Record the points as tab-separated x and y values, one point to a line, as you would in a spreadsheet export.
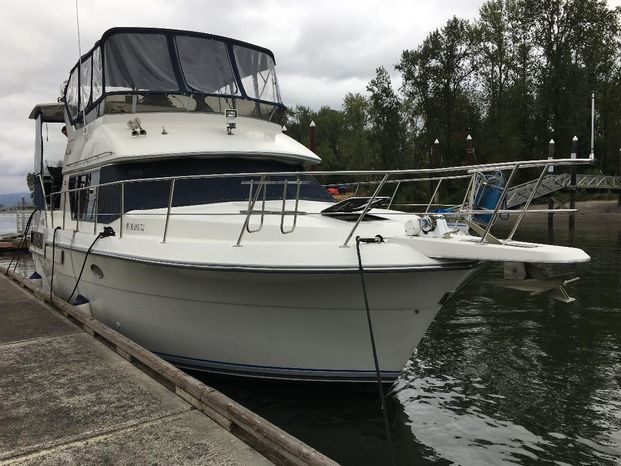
380	388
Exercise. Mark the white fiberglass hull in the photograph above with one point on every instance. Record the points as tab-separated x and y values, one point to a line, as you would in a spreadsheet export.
301	326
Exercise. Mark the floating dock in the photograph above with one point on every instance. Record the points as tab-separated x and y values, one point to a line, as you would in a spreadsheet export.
73	391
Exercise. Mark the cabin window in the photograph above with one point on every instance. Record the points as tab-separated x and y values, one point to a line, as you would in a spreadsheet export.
83	200
153	195
85	83
97	75
71	97
256	70
206	66
139	62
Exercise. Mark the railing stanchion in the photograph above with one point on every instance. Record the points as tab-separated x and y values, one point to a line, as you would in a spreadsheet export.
44	199
64	200
470	188
52	209
78	195
96	210
366	209
527	205
122	209
170	201
394	194
500	201
435	191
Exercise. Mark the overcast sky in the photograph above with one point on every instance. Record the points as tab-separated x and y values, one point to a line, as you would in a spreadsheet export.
323	49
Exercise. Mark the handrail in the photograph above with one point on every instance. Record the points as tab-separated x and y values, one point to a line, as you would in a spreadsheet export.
284	205
250	209
469	169
429	174
262	186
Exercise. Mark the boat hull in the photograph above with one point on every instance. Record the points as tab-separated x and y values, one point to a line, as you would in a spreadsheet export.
286	325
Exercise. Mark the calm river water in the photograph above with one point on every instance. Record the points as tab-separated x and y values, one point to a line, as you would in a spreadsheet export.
7	223
500	378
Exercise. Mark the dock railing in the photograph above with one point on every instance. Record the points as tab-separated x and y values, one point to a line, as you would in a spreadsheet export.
258	182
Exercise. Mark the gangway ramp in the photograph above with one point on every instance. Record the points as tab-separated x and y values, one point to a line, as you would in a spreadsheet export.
519	194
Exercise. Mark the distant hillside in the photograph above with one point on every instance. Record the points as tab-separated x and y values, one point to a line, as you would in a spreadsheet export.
13	199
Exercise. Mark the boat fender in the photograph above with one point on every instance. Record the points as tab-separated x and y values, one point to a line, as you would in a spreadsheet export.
412	227
83	305
36	279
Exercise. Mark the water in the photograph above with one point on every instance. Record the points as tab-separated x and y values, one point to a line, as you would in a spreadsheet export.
7	223
501	377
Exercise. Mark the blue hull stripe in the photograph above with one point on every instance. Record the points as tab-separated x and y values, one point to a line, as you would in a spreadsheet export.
271	372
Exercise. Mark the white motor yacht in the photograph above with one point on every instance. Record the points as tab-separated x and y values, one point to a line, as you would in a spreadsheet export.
188	221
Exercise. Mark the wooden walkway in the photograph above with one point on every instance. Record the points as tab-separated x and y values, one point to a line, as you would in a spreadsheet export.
71	392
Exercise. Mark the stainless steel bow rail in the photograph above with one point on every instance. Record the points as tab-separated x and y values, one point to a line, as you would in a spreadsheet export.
259	182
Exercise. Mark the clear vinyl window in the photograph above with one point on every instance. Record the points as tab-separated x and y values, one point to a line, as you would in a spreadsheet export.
258	77
206	66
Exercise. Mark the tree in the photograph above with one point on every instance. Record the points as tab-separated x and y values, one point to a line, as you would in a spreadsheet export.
438	82
297	122
504	67
385	119
578	42
30	182
354	138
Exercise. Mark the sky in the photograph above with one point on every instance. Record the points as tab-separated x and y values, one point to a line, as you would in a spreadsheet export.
323	49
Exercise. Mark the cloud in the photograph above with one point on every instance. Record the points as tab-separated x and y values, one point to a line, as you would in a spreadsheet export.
323	49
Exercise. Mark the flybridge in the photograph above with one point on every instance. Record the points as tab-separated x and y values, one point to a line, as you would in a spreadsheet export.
133	70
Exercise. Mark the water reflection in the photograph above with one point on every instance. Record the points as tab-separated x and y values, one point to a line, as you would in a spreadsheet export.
501	377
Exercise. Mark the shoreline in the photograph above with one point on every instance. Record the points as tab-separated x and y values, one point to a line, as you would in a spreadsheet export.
586	210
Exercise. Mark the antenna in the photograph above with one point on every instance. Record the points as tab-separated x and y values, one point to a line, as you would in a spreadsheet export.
77	20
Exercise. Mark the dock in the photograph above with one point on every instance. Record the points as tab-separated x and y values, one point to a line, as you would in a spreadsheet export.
73	391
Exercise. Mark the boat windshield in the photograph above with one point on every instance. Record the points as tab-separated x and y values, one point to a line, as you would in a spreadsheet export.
153	70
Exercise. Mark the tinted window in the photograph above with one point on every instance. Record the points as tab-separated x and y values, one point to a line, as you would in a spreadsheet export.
150	195
206	66
138	62
83	200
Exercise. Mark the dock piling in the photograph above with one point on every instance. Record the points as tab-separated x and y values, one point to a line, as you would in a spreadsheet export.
551	147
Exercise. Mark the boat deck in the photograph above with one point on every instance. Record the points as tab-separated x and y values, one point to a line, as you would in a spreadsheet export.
68	398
